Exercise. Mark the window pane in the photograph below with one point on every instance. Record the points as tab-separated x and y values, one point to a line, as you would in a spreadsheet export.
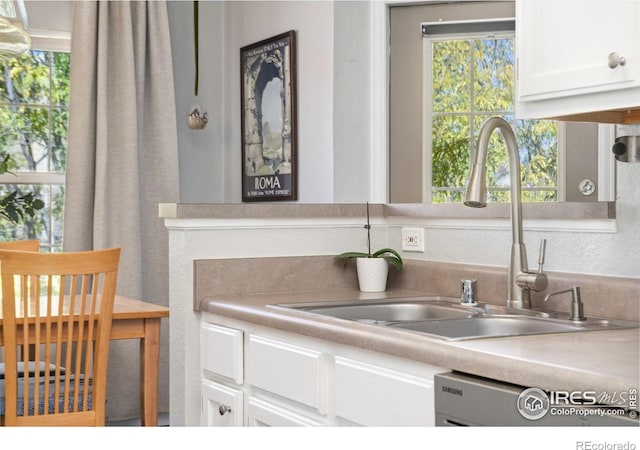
25	137
32	228
451	76
538	145
60	79
57	216
493	75
450	151
25	79
58	156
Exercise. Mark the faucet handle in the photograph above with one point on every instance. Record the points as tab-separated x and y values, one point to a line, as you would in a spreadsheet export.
543	248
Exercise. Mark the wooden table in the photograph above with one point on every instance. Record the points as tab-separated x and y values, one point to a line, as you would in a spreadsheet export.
135	319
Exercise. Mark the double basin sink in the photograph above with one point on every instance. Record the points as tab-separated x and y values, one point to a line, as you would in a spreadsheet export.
446	318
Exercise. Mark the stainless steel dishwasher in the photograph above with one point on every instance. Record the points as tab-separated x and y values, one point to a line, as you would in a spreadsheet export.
467	400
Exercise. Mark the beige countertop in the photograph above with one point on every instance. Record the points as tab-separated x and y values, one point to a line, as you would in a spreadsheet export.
604	361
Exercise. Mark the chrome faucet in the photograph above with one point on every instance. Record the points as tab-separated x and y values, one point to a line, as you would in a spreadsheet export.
520	281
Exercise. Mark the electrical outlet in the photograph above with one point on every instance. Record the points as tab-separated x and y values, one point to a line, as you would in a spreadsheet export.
413	239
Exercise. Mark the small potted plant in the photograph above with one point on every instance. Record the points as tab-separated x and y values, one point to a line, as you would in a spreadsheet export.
373	268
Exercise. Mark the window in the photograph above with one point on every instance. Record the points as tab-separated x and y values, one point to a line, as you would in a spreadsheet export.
468	78
34	99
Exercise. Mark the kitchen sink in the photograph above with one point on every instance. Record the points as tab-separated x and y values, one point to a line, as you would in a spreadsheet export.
446	318
489	326
398	311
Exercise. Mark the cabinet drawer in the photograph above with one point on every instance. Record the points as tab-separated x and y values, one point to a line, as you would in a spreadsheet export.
371	395
222	351
294	372
266	414
222	406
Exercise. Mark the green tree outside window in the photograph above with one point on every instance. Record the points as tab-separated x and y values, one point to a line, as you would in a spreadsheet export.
472	80
34	98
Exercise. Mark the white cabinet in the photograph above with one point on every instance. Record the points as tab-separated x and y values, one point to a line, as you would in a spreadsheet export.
267	414
222	351
290	371
257	376
564	64
222	406
371	395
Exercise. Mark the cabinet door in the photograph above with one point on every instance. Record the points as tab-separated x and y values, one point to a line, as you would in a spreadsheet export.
266	414
291	371
563	47
222	351
371	395
222	406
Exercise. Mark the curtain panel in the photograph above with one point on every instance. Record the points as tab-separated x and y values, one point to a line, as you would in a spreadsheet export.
122	161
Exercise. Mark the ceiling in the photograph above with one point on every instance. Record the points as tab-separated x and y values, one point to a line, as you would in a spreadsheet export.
51	15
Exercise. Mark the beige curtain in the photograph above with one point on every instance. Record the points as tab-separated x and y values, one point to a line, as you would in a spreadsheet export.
121	162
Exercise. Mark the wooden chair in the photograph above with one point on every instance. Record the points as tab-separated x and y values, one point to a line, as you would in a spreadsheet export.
32	245
59	304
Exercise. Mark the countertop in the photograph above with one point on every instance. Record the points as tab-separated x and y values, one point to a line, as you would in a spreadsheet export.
602	361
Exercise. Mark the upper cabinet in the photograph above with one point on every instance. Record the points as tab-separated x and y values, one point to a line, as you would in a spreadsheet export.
578	60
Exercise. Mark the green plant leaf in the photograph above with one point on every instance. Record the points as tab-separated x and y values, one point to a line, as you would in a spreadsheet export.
392	257
389	254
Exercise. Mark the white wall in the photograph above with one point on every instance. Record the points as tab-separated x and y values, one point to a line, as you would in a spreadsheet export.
601	247
250	22
333	95
210	161
201	152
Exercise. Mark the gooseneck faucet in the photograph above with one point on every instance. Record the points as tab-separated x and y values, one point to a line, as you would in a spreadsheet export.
520	281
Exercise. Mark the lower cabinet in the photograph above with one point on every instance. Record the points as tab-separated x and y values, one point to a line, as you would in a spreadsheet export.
258	376
262	413
222	406
371	395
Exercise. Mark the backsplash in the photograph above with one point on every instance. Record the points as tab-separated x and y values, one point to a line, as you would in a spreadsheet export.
603	296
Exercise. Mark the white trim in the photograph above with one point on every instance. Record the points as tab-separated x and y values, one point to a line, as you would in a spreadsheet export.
54	41
606	163
32	178
427	122
561	162
546	225
277	223
379	94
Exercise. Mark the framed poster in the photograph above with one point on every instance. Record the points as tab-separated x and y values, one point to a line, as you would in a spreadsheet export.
268	91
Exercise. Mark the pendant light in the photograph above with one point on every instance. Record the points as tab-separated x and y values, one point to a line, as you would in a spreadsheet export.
14	40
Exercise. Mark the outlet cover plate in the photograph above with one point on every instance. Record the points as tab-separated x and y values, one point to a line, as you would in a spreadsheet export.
413	239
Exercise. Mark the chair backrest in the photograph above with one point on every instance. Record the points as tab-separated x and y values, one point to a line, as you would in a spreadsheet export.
32	245
58	305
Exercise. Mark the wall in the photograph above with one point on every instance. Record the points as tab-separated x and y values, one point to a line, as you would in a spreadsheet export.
333	129
201	152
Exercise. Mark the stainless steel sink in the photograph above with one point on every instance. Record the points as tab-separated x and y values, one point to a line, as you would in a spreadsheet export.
446	318
488	326
397	311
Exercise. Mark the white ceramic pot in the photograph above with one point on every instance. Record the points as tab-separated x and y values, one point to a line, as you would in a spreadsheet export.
372	274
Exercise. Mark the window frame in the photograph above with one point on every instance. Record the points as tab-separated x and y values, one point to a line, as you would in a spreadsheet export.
427	113
48	41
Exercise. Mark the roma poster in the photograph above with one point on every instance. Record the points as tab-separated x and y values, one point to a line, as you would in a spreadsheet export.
268	87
